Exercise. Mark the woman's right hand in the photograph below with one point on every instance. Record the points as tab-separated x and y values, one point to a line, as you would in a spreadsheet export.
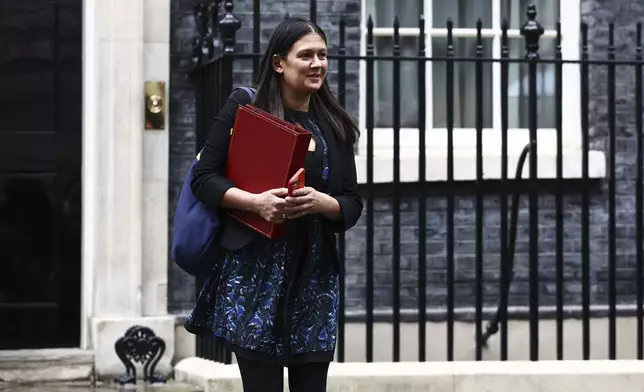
270	205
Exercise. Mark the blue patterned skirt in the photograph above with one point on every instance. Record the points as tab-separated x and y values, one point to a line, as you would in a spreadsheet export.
275	300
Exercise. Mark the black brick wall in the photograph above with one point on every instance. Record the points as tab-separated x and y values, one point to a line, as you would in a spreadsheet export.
625	14
598	14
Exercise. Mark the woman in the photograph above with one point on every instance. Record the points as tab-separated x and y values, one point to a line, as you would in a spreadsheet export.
274	303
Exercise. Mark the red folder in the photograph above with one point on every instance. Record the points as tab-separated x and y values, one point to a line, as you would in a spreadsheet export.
264	153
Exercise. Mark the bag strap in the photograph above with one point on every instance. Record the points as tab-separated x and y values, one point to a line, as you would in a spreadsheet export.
249	90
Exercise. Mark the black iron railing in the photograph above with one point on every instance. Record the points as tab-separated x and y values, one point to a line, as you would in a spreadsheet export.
214	59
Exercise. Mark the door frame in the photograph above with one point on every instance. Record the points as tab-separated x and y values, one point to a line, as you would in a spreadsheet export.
90	168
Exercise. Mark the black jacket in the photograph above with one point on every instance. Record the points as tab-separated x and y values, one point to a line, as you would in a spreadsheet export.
209	182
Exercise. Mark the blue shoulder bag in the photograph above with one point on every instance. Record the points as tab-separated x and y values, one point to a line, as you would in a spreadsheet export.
196	227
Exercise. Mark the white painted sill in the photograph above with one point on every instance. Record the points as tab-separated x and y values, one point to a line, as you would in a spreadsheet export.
465	165
465	155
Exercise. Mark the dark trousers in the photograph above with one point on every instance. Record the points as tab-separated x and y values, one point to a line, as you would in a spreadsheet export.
269	377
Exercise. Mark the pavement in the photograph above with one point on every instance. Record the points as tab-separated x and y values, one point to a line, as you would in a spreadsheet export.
81	387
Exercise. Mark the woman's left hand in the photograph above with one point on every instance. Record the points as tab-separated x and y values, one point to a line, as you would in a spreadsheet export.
306	201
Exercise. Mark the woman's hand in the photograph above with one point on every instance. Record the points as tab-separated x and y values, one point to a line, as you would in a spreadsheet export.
270	205
307	201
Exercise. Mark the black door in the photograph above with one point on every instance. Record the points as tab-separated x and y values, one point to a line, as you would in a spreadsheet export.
40	173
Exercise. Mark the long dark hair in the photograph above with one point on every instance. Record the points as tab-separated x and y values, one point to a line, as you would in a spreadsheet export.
323	102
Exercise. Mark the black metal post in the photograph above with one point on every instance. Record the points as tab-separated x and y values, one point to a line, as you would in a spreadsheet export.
228	26
585	199
479	190
370	113
396	193
639	237
313	10
57	66
257	22
612	289
219	82
449	92
212	38
505	272
532	32
422	201
200	44
559	198
200	54
342	94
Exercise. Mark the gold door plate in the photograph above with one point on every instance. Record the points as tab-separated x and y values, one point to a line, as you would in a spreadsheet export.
155	105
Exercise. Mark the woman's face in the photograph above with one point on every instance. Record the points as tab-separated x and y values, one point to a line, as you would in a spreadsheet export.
305	66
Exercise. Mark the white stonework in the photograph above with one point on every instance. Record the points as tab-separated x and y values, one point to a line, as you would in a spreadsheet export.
464	348
460	376
125	178
107	331
518	341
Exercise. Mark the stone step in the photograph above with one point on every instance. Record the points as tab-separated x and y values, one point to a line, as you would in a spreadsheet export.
46	365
